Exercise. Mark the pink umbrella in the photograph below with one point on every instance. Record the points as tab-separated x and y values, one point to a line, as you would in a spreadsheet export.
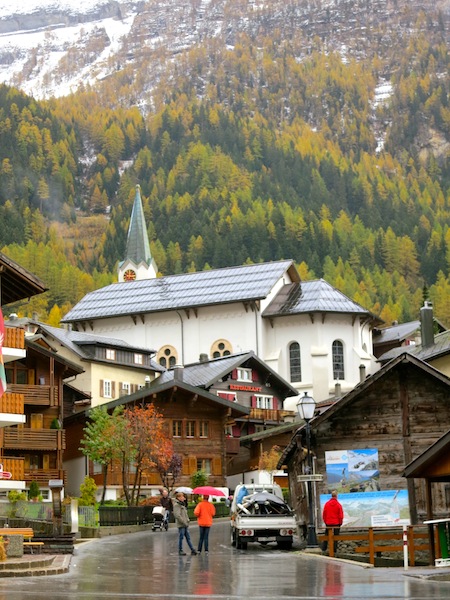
207	490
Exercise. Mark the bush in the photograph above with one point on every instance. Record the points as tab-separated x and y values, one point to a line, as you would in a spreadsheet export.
199	478
88	491
34	492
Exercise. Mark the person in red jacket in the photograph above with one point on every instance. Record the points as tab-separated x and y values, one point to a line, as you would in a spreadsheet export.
333	516
204	511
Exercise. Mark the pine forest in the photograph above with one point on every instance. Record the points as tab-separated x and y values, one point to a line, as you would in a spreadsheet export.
244	154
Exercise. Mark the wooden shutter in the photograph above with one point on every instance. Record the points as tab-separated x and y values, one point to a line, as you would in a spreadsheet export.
101	388
185	467
253	401
46	462
255	376
113	389
192	464
31	377
276	403
216	466
36	420
236	431
234	374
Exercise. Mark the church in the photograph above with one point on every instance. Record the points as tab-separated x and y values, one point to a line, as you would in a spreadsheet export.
308	332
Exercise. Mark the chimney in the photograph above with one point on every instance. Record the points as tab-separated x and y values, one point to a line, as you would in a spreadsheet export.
426	324
362	373
203	358
178	372
337	390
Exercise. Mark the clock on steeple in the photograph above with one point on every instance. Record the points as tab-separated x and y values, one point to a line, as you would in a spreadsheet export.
129	275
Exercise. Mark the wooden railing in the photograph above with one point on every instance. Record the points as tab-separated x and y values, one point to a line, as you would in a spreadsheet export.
33	439
15	466
14	338
43	476
12	403
264	414
37	395
368	542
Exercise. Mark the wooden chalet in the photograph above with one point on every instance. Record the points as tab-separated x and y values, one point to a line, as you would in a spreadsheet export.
196	421
400	410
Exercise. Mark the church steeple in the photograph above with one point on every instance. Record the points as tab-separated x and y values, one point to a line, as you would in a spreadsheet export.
138	263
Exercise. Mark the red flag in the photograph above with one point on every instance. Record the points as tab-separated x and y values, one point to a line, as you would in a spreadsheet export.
2	366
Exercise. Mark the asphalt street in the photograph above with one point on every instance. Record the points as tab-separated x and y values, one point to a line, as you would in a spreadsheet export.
147	565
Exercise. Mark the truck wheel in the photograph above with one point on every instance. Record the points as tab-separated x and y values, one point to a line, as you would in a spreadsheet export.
233	537
238	542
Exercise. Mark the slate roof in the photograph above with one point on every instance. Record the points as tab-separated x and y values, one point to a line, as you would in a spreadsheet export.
440	347
205	374
396	333
190	290
149	392
312	296
75	340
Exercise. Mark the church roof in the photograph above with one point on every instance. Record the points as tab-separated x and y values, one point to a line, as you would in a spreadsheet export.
191	290
138	247
311	296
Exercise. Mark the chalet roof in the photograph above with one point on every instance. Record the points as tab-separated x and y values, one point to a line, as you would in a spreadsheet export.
362	387
16	283
206	374
418	468
440	347
76	341
312	296
191	290
395	333
149	392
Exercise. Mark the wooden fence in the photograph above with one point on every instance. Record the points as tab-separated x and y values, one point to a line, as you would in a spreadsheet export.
375	542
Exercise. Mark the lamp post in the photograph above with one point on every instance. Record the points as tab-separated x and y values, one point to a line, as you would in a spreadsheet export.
305	408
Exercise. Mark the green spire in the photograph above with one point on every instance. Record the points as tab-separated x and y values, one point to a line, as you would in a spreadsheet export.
138	246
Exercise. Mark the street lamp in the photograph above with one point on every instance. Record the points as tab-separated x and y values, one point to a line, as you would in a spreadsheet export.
305	408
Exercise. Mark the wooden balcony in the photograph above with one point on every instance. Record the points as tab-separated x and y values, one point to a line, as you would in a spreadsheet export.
232	445
15	466
43	476
14	338
37	395
263	414
34	439
12	404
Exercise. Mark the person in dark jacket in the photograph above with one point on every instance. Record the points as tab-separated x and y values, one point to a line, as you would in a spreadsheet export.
166	501
182	520
333	516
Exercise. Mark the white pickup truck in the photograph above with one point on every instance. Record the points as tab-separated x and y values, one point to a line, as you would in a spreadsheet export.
259	514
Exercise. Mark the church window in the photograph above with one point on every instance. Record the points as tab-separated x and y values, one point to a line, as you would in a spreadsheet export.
221	348
167	357
295	364
338	360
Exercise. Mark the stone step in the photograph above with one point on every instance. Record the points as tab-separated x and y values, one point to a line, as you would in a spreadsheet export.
30	567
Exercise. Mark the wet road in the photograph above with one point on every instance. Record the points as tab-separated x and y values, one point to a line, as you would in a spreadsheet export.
146	565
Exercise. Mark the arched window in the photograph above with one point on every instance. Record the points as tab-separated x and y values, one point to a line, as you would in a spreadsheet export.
167	357
221	348
295	362
338	360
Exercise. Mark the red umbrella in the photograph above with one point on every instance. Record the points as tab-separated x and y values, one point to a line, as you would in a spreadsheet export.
207	490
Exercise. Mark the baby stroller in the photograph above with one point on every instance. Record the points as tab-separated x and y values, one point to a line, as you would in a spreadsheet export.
160	518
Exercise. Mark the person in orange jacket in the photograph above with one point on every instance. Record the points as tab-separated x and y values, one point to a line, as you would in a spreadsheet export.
204	511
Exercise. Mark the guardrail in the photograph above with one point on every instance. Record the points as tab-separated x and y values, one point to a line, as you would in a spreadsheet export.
375	542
